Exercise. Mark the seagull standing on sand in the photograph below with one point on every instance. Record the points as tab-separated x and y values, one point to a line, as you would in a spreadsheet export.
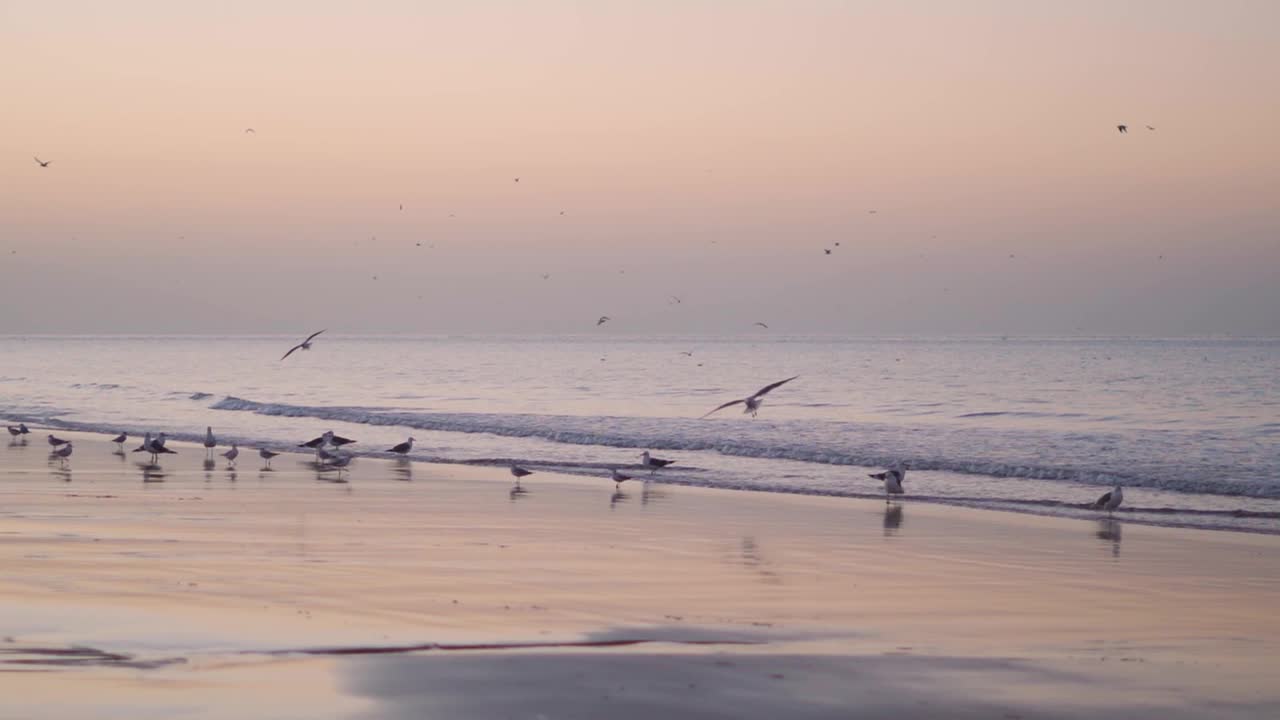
266	454
754	402
892	482
304	345
654	464
328	438
157	449
231	455
55	442
518	472
22	427
210	442
403	448
617	477
15	432
63	453
120	440
1110	500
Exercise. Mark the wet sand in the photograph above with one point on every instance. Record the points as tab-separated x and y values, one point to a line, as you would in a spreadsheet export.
412	590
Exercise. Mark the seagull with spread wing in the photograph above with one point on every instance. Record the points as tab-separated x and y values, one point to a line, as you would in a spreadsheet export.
43	163
603	319
754	402
304	345
766	327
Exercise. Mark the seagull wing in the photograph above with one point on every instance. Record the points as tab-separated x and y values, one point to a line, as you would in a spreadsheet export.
312	336
731	403
766	327
1106	497
767	388
291	350
879	476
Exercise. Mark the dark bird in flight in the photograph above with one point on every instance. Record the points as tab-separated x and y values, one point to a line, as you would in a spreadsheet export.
250	131
517	180
304	345
546	276
1122	128
674	300
686	353
754	402
43	163
766	327
837	244
603	319
826	250
1150	128
561	212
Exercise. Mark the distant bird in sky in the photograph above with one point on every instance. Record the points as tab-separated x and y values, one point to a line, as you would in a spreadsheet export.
766	327
837	244
517	180
1122	128
687	353
518	472
826	250
210	442
1110	500
1150	128
43	163
250	131
304	345
403	448
231	455
892	482
546	276
266	454
401	206
675	300
654	464
871	212
753	402
603	319
618	477
561	212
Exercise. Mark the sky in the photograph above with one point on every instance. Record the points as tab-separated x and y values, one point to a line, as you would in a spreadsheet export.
964	156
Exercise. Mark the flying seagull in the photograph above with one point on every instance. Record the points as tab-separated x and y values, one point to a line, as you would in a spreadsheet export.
826	250
603	319
43	163
1150	128
403	448
686	353
892	482
753	403
250	131
266	454
304	345
675	300
1123	128
1110	500
654	464
766	327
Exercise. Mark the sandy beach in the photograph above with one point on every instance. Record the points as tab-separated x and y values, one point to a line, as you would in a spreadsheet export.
417	590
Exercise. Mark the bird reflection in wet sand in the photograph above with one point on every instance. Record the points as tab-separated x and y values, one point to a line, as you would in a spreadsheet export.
1110	530
208	467
892	519
517	492
618	497
151	472
650	493
749	553
403	469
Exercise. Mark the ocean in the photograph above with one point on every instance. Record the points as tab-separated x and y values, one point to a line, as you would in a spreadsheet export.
1190	427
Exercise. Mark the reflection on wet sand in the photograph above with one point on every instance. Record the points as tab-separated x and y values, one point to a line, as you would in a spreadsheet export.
61	473
1110	531
517	492
208	468
651	493
750	557
20	441
892	519
618	497
151	472
402	470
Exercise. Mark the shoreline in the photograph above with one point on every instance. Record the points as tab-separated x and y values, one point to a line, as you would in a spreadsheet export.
1152	516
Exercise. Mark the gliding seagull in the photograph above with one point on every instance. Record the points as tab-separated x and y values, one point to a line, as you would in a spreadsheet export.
43	163
304	345
603	319
753	403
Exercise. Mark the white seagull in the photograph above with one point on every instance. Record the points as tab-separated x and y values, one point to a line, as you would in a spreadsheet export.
754	402
266	454
231	455
304	345
617	477
892	482
654	464
403	448
1110	500
210	442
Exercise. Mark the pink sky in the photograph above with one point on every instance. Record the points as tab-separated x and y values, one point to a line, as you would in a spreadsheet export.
706	149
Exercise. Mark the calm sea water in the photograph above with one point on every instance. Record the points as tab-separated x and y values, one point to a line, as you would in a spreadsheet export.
1190	427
